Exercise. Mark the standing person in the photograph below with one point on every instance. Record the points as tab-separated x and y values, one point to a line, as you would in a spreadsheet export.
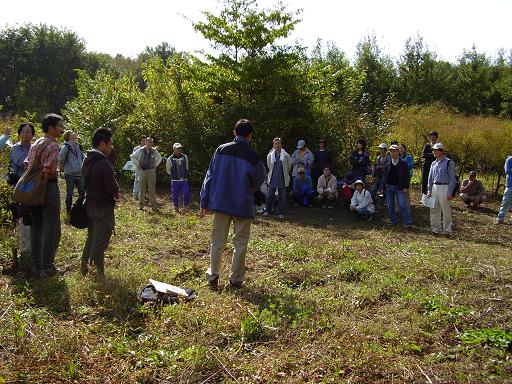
302	157
102	191
381	163
428	159
146	159
327	188
395	183
19	153
70	159
136	181
279	166
472	191
507	195
45	230
441	183
5	137
177	167
322	159
235	173
410	166
360	160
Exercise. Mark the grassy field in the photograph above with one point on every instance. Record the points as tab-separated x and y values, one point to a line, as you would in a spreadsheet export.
328	299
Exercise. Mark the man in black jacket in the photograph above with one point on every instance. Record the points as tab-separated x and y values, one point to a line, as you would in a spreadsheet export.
395	182
101	194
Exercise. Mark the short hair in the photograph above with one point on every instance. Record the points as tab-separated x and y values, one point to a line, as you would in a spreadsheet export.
67	134
362	142
101	134
142	137
403	145
434	133
32	128
394	142
50	119
277	139
243	127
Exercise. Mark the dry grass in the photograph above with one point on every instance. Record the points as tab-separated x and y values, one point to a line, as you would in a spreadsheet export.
328	299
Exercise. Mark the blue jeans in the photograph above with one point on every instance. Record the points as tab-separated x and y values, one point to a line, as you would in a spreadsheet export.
392	191
281	202
505	204
71	181
363	213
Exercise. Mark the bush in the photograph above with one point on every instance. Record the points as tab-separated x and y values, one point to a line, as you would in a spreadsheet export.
5	200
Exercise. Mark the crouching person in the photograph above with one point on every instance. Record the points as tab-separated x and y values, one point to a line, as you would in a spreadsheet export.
101	194
362	202
303	191
472	191
327	189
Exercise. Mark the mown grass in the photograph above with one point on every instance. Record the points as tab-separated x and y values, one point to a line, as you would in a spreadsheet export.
328	299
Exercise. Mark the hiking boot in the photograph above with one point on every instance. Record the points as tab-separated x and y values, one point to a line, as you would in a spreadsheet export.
214	284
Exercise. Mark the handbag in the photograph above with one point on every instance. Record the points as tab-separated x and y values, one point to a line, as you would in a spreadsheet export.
30	189
78	215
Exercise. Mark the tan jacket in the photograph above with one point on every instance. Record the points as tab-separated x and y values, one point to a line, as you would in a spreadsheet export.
327	186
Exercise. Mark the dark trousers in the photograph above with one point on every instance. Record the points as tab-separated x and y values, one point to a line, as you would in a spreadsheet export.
425	170
71	182
45	229
99	231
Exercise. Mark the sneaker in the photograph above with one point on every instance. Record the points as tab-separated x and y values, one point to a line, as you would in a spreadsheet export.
280	217
266	214
498	222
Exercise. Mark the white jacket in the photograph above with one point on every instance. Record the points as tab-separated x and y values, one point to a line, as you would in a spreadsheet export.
362	200
329	186
285	161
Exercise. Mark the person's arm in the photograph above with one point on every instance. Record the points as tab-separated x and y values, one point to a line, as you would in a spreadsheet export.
288	163
158	158
319	187
135	158
508	167
452	180
296	185
353	201
108	178
406	175
62	156
481	189
430	179
465	184
168	165
5	137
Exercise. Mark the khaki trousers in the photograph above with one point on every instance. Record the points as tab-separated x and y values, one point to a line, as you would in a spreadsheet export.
220	230
440	193
147	177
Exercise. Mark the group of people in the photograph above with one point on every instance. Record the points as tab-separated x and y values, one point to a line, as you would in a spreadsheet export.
234	175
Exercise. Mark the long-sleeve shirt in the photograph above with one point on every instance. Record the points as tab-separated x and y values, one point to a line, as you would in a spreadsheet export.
476	187
410	162
152	158
442	172
3	141
304	158
508	172
362	199
299	184
19	153
327	186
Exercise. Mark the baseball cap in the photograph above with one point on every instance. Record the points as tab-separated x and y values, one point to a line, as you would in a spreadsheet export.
383	146
438	146
300	144
359	182
177	145
393	147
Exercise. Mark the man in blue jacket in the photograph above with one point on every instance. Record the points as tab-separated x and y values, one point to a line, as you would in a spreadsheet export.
235	173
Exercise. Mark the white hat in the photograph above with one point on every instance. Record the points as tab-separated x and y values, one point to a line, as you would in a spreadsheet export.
438	146
176	145
393	147
383	146
359	182
300	144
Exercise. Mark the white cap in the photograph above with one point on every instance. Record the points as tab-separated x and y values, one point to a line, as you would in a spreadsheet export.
394	146
383	146
359	182
176	145
438	146
300	144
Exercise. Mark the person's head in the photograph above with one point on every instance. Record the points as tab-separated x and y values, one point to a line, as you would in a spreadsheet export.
301	173
52	125
394	142
361	144
177	149
434	136
142	140
26	132
149	142
102	141
322	144
243	127
69	136
327	171
359	185
472	175
402	149
438	150
393	149
301	144
383	149
277	144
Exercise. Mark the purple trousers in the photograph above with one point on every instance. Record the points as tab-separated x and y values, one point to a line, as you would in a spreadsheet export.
180	187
